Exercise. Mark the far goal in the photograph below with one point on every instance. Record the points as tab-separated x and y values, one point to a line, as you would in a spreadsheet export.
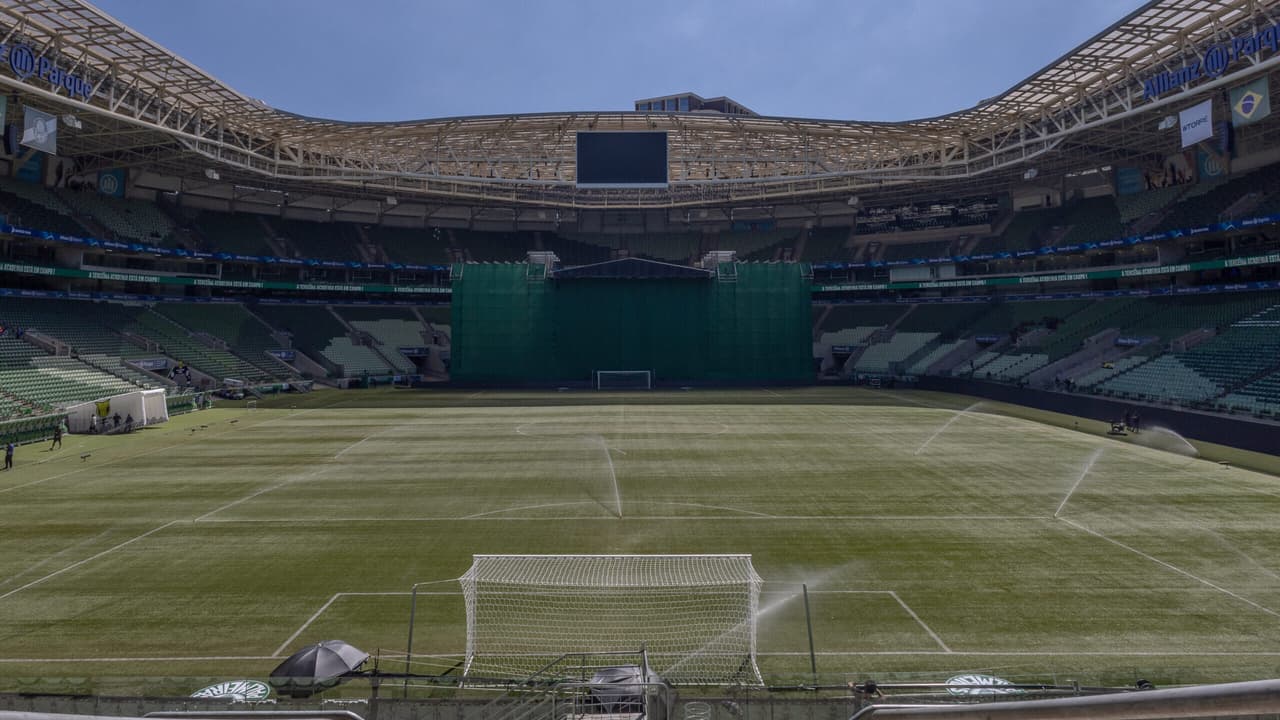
623	380
695	615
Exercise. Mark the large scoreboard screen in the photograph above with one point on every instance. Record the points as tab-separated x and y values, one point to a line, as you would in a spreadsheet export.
622	159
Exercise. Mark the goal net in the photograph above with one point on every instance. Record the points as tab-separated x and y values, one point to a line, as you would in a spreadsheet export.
623	380
694	614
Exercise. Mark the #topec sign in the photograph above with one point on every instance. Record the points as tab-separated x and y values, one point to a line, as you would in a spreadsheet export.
25	64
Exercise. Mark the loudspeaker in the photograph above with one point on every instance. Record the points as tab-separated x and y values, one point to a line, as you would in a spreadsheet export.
11	137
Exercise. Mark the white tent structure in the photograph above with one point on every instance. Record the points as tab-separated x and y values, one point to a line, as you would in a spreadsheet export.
147	407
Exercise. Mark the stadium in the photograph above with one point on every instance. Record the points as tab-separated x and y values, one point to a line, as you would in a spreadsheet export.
678	410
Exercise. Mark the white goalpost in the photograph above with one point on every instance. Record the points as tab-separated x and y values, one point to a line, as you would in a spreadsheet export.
694	614
622	379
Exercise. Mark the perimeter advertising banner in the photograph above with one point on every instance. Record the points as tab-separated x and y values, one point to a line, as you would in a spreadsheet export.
1196	123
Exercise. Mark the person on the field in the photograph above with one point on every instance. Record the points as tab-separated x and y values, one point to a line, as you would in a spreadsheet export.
1137	423
8	456
128	423
57	437
116	418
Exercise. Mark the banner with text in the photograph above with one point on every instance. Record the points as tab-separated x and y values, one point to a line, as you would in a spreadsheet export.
1196	123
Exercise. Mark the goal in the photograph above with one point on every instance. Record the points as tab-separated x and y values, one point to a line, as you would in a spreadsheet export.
623	380
695	615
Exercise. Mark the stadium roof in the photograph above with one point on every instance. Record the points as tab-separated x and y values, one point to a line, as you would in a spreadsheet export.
150	108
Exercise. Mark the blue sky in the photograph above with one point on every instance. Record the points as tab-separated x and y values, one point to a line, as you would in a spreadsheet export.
409	59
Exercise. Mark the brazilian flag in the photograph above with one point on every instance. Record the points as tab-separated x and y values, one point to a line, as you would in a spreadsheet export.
1250	103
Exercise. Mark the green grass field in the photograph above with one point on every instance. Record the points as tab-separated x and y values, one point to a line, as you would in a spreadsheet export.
931	540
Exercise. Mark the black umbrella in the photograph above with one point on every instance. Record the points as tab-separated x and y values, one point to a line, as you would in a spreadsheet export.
621	689
316	667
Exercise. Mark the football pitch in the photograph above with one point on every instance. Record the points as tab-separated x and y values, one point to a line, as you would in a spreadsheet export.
934	535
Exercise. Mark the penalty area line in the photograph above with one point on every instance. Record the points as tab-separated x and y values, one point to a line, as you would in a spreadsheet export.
334	598
916	617
1173	567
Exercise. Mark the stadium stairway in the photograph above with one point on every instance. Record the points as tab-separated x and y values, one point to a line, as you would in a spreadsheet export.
390	328
243	334
897	350
437	318
180	343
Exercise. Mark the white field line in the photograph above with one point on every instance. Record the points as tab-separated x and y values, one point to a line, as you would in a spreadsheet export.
51	558
475	395
285	645
203	658
89	559
344	450
916	617
244	499
492	516
374	434
823	653
1172	567
772	392
525	427
309	476
485	514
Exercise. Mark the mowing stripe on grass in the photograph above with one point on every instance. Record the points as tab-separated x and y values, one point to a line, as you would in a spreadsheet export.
309	476
55	556
1172	567
97	466
491	515
820	653
91	558
206	658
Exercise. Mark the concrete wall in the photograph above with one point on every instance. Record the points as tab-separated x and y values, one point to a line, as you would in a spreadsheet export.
1246	434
